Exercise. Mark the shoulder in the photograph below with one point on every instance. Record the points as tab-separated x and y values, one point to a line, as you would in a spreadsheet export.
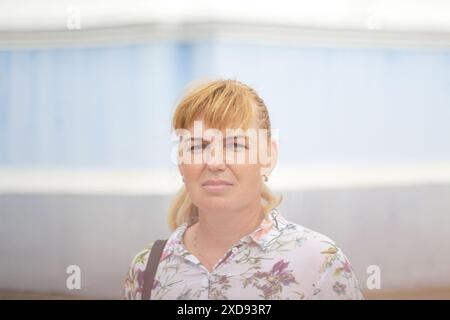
134	281
319	250
140	259
328	269
309	241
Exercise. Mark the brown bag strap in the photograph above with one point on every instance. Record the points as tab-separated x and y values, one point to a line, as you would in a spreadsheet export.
152	265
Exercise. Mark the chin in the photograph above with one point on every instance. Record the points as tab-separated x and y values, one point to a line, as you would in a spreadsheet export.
216	204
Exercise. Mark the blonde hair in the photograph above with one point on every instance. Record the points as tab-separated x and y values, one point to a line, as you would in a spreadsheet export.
221	103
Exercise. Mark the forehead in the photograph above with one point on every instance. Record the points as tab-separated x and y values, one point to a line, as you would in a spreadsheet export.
199	123
199	131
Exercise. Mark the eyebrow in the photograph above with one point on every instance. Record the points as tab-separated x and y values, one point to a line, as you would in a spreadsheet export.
225	138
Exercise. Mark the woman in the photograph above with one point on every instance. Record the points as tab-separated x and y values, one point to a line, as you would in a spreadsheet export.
229	241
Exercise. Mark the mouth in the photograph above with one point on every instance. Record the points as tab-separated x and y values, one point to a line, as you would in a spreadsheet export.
216	185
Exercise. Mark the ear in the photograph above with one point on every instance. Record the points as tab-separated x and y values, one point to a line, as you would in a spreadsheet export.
180	160
180	168
267	169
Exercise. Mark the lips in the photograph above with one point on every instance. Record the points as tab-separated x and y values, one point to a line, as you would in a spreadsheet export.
216	186
216	183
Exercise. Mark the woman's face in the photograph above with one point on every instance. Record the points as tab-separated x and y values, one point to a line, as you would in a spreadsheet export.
227	180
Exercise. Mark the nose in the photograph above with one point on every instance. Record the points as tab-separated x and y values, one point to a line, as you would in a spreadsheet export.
215	159
216	166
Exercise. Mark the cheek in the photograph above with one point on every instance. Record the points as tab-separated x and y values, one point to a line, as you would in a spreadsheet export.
191	173
248	176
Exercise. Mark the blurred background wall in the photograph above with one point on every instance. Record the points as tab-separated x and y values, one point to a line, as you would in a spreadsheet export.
359	92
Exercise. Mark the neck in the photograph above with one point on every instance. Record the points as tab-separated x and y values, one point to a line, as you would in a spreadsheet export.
221	230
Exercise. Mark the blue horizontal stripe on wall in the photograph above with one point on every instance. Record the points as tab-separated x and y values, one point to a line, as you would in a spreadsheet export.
112	106
88	107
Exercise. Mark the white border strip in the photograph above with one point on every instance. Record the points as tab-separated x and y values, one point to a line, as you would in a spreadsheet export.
161	182
232	32
398	15
359	176
422	24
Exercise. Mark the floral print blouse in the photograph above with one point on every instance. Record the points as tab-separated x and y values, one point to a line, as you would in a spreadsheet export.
279	260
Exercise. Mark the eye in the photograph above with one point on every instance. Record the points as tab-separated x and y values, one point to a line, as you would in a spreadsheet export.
198	146
236	146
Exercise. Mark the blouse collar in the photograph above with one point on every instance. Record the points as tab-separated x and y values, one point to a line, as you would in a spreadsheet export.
264	235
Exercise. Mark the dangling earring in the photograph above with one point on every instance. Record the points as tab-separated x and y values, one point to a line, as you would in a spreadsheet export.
183	179
266	178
